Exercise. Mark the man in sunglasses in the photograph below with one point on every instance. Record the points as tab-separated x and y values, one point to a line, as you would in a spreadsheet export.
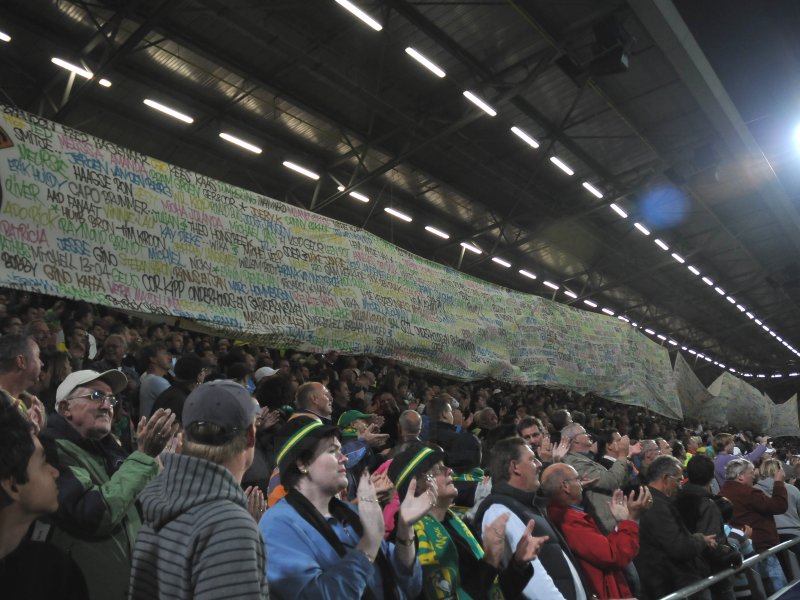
97	519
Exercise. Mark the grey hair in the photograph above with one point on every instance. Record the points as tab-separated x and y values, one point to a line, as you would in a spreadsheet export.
736	467
410	421
662	466
648	445
571	431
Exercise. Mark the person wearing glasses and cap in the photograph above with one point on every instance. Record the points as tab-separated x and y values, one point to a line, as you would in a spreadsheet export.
198	540
97	519
320	547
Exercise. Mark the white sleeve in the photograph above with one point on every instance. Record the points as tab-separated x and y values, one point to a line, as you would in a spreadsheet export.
540	586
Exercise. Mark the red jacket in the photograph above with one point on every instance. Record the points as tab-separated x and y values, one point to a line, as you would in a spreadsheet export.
601	557
753	507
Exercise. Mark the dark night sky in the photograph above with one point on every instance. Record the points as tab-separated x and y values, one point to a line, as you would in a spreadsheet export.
754	47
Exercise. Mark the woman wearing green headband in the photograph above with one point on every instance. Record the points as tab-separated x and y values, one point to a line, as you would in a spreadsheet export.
320	547
454	565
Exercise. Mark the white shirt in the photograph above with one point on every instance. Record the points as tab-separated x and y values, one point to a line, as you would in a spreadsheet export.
541	585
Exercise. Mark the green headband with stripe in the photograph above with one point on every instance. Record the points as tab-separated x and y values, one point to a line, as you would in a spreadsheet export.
297	437
412	464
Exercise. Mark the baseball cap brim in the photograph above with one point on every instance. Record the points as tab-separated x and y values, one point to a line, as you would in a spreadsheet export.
116	380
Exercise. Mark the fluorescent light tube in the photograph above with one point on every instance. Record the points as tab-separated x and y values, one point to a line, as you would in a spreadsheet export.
425	62
398	214
240	142
360	14
525	137
480	103
501	262
618	210
298	169
592	190
561	165
169	111
71	67
439	232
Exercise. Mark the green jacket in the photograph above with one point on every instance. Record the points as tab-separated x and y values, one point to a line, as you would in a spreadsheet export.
97	519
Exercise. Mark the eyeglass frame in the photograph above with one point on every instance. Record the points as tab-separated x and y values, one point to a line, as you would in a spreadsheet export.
112	398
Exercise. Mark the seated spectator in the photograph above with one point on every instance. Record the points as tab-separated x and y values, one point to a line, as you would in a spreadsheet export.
670	556
28	569
449	553
320	547
198	539
601	556
97	519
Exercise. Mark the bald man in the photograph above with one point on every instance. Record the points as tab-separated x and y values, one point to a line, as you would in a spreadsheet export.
601	557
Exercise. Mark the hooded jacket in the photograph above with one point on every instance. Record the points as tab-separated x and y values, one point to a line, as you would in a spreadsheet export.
787	523
197	540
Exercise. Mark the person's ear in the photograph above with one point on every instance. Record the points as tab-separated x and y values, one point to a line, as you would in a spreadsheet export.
251	436
10	488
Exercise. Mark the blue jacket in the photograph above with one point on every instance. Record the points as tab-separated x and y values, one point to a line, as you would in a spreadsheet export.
302	564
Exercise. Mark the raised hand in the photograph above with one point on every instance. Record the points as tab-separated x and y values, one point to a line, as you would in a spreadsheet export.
256	505
415	507
153	434
618	506
494	540
560	451
528	546
384	488
637	506
370	515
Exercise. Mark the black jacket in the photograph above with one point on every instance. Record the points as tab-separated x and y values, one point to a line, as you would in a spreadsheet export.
669	555
462	449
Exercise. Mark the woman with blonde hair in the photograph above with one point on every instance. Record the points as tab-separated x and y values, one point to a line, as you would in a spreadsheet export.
788	523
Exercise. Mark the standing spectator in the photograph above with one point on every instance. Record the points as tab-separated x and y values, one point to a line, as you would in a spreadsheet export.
154	364
320	547
315	400
670	557
97	520
788	523
724	446
189	373
601	556
532	431
28	491
753	507
198	540
20	367
598	496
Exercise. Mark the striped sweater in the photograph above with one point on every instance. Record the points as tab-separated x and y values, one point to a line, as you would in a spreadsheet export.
198	540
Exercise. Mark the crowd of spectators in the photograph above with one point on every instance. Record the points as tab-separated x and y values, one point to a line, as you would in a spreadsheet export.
142	459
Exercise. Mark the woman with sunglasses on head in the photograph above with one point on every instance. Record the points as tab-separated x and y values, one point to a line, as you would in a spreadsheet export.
454	565
320	547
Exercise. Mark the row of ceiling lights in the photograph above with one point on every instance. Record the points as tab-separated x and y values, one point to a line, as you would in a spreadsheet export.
480	103
440	72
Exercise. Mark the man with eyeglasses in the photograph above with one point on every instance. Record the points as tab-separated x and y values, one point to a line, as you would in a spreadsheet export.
670	557
579	456
97	519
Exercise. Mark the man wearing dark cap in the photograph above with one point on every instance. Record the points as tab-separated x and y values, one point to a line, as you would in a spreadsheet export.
198	540
189	373
97	520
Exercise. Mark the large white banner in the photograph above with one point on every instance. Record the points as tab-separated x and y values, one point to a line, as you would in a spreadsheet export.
784	421
697	402
747	407
82	218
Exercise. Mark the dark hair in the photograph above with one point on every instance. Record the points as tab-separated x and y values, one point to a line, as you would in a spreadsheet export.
663	465
16	445
700	469
530	422
437	407
291	474
503	453
148	352
560	418
12	346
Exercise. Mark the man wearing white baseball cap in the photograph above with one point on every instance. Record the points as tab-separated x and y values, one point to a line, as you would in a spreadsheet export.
97	519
